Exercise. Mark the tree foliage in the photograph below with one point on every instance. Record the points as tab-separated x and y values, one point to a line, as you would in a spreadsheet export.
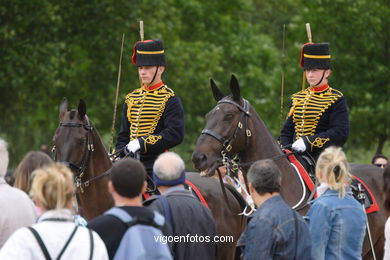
55	49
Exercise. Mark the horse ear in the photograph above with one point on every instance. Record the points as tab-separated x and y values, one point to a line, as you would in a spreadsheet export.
217	93
63	107
235	88
82	109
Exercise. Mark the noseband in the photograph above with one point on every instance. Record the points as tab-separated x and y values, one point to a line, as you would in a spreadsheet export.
79	170
227	143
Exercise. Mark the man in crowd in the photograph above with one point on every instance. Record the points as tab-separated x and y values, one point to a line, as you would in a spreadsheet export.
191	221
126	186
275	231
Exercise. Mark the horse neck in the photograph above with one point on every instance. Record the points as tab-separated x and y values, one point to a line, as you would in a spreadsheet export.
99	161
262	145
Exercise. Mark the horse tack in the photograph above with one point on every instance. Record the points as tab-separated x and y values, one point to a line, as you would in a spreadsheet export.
86	156
227	143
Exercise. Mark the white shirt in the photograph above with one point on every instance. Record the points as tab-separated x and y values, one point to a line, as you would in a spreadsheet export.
23	245
387	240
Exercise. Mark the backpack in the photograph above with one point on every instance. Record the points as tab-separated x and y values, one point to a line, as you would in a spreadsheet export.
142	239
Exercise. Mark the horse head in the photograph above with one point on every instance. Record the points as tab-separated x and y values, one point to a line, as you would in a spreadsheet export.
72	138
78	145
226	131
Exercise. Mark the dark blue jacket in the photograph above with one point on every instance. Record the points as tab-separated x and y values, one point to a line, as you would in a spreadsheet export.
275	231
320	117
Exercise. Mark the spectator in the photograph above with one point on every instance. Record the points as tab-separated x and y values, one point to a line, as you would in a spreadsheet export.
189	218
10	177
31	161
386	204
275	231
17	209
380	160
337	220
52	190
126	186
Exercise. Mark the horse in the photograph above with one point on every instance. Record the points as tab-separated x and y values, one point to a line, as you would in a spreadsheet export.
233	128
78	145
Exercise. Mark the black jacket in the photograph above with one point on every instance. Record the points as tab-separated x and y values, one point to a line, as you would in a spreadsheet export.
319	117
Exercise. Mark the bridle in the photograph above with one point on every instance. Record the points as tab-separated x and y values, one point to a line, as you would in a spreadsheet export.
79	170
227	144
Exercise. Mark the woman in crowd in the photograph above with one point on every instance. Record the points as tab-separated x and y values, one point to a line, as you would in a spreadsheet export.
31	161
386	204
337	220
55	235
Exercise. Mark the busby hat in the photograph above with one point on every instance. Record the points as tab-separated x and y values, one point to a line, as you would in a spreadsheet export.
315	56
149	53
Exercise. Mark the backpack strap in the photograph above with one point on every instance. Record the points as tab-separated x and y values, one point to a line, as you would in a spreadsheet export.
91	243
126	218
67	242
40	242
167	212
43	247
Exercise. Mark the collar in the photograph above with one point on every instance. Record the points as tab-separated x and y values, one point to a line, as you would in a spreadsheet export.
320	88
270	201
154	87
174	188
61	214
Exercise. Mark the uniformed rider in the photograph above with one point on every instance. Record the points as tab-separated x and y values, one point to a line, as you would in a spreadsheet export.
318	115
153	115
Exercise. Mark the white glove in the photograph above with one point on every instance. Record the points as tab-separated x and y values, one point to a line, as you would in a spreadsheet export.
299	145
133	146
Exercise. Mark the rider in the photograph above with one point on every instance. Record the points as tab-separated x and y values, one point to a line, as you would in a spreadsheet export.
318	115
153	115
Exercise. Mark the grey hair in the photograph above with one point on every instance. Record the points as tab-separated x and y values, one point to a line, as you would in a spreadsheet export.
265	176
168	166
4	157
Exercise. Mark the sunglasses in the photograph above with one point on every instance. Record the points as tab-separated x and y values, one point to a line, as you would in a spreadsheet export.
380	165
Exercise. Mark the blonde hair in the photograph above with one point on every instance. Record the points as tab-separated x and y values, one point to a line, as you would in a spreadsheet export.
332	168
53	186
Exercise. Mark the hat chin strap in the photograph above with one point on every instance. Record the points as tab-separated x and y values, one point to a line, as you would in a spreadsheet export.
323	74
154	77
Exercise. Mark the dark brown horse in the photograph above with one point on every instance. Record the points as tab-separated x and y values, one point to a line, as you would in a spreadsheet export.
79	146
234	128
73	140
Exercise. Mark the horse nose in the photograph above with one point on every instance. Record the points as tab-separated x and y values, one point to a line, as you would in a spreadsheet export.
199	159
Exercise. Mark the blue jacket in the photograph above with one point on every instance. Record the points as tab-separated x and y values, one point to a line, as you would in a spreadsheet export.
337	227
271	233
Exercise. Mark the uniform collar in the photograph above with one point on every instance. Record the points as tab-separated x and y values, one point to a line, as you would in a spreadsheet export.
154	87
319	89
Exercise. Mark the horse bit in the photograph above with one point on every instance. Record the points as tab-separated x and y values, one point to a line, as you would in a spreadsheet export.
83	165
